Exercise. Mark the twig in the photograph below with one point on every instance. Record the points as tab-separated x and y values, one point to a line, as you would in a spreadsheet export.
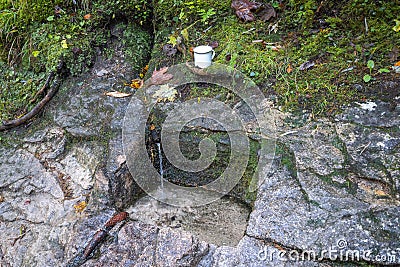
53	90
365	147
19	237
288	133
252	29
44	87
96	240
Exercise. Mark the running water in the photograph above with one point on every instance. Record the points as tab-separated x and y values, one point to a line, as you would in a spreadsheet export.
161	167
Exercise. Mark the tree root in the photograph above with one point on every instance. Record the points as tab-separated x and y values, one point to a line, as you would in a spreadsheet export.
98	238
6	125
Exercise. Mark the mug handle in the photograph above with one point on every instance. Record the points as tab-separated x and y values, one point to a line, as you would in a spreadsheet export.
213	54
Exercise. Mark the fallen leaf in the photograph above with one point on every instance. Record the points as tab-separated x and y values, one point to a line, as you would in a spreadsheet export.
380	193
117	94
279	247
160	76
135	84
243	9
152	127
307	65
213	44
144	71
267	12
289	69
169	50
79	207
64	44
397	64
87	16
165	93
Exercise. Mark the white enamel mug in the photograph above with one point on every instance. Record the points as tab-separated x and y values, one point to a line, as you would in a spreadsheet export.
203	56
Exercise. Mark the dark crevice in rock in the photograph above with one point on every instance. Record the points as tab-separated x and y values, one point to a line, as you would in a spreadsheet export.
288	160
123	188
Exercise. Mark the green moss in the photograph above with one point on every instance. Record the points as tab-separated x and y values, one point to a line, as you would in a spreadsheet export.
34	38
137	45
332	37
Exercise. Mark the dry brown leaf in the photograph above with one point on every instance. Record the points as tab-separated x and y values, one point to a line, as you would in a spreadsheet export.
244	10
87	16
289	68
267	12
160	76
117	94
279	247
380	193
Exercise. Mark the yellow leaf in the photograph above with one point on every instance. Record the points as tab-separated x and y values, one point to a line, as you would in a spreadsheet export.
64	44
35	53
79	207
396	28
152	127
117	94
185	35
136	83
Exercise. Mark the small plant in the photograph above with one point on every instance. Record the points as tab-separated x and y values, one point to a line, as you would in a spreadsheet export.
206	14
370	65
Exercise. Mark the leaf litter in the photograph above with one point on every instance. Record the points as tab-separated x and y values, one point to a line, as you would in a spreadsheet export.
160	76
247	11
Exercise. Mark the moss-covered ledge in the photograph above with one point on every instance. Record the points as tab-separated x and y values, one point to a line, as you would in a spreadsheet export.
313	56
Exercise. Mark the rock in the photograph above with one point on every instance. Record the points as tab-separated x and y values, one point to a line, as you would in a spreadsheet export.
142	244
59	162
332	185
382	116
80	165
101	72
315	200
373	154
124	190
222	222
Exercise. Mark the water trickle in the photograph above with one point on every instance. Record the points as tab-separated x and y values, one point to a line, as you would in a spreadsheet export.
161	166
